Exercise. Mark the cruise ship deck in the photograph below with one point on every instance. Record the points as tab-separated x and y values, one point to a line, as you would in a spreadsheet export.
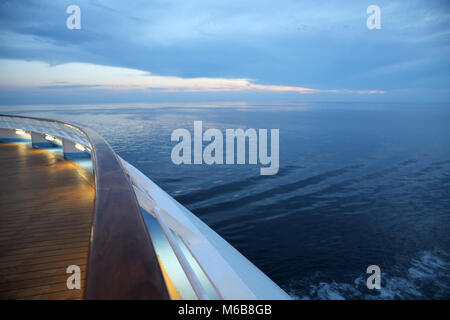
46	211
67	199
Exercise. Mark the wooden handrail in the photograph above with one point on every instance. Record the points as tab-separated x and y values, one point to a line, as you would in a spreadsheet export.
122	262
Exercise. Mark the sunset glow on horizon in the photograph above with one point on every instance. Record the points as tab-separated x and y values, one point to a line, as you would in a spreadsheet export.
75	75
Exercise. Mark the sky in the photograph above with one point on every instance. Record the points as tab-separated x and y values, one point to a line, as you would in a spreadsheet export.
285	50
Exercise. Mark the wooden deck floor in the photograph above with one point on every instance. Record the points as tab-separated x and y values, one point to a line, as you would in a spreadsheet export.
46	208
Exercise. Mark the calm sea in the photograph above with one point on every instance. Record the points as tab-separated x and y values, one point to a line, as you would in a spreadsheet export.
359	185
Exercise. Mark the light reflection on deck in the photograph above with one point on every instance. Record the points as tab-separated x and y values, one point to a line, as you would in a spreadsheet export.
46	207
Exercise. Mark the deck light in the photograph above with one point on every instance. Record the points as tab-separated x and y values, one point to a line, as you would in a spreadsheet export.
80	147
49	138
20	132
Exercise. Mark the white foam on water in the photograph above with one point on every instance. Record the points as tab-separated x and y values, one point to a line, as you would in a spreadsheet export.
427	278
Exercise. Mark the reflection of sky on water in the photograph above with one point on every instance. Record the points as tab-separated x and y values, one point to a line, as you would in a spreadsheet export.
359	184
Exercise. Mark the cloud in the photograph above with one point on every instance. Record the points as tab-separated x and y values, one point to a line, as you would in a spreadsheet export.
71	86
259	46
35	74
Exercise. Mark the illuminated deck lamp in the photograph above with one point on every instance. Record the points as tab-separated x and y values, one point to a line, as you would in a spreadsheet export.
20	132
49	138
79	147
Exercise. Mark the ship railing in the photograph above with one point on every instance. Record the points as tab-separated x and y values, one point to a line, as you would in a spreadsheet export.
229	272
122	263
213	268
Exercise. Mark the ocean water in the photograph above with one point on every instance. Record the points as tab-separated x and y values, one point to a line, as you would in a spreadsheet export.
359	184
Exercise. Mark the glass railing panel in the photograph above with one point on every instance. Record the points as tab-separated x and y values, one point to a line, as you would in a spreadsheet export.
205	282
168	259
